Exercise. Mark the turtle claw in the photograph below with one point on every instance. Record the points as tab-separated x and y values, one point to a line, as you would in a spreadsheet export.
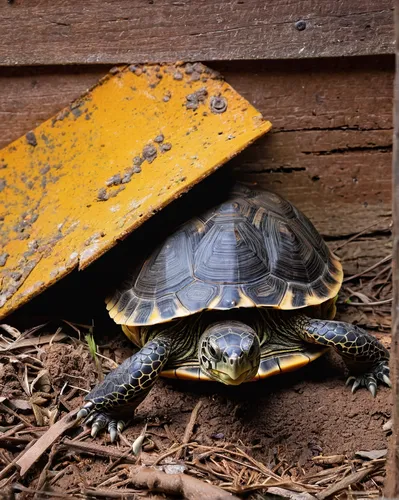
356	385
98	421
85	411
350	379
373	389
386	380
379	372
113	433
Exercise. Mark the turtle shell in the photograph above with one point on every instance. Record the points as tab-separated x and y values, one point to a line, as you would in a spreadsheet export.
253	250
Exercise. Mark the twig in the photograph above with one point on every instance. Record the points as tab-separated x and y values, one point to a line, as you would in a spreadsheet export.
15	440
118	461
52	494
95	449
59	474
350	278
364	304
344	483
355	236
190	427
171	451
23	342
187	487
43	474
203	468
15	429
12	464
15	414
45	441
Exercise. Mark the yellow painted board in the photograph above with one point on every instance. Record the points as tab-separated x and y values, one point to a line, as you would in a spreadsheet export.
83	180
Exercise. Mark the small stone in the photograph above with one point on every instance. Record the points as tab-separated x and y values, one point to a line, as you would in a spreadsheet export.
178	75
159	138
167	146
195	77
127	176
149	153
136	70
137	160
45	169
102	195
31	139
218	435
193	100
3	259
167	96
115	180
188	69
198	67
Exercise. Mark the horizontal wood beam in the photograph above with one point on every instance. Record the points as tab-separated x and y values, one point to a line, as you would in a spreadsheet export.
329	151
107	32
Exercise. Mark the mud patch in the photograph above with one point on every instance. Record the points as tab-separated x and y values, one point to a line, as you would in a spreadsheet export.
67	363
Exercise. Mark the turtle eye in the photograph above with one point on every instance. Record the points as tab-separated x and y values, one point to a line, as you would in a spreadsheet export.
251	350
212	351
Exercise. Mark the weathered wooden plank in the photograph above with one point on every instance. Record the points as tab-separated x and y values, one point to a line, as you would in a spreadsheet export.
392	484
58	32
330	152
335	176
330	149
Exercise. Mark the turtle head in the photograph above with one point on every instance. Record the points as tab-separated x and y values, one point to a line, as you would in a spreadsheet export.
229	352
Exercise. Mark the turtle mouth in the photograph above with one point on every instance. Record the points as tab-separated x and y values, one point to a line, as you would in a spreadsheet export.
226	379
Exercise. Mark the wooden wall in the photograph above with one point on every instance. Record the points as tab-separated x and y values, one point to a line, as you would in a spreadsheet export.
330	149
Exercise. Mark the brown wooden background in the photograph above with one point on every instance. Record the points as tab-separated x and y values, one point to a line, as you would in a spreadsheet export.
330	150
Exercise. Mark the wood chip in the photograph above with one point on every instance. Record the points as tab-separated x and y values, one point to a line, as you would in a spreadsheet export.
44	442
329	460
190	427
283	493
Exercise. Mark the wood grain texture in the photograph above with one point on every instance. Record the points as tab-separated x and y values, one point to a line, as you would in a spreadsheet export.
329	152
392	483
58	32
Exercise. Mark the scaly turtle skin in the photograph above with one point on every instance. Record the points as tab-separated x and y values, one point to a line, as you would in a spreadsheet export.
242	292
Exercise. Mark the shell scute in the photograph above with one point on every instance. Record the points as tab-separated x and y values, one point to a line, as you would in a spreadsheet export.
255	249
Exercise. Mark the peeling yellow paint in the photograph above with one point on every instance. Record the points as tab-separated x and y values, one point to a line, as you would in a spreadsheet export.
81	181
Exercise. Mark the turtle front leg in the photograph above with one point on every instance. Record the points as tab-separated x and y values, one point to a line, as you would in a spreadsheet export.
114	401
366	358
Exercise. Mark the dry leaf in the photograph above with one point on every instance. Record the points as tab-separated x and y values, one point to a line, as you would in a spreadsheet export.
11	330
20	404
38	415
44	379
372	455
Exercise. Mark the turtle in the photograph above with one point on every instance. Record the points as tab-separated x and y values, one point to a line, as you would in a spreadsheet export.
241	292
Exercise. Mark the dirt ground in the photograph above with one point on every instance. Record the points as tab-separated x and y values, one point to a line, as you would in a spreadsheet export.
282	422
